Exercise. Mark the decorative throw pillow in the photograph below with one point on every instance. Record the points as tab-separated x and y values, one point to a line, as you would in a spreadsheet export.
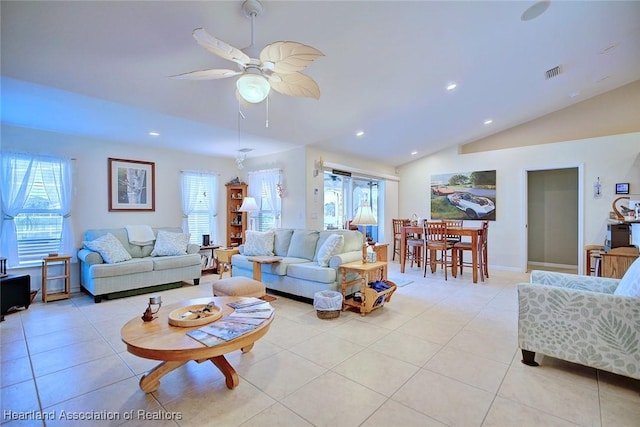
109	247
332	246
629	285
168	243
259	243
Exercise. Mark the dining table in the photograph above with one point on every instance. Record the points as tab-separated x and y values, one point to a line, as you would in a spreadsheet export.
473	232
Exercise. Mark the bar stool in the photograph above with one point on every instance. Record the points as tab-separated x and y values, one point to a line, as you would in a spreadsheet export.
593	252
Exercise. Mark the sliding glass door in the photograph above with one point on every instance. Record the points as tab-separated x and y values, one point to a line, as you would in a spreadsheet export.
343	195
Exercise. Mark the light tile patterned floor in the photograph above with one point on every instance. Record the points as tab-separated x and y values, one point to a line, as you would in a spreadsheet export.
439	354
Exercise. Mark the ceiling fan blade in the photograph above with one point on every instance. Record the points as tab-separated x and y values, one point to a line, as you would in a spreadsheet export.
206	75
289	57
295	84
220	48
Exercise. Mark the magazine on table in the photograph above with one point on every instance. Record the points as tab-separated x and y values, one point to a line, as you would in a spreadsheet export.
247	320
227	330
254	315
265	306
244	302
205	338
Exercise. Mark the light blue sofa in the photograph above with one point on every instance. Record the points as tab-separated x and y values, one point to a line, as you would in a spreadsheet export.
299	273
142	271
581	319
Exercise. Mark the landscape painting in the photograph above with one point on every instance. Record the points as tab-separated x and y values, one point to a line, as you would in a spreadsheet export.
464	195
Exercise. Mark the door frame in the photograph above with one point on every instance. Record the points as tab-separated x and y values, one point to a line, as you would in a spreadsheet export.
525	212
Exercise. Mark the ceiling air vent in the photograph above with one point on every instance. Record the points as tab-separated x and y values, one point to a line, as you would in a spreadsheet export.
552	72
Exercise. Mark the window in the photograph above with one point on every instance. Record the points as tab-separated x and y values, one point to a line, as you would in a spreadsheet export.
265	187
36	198
343	195
199	201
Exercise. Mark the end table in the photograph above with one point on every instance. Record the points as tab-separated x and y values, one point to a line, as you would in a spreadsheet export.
66	276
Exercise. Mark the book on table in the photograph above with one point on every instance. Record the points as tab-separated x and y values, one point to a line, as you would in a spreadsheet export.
244	302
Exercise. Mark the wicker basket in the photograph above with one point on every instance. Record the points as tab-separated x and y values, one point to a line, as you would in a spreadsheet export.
328	314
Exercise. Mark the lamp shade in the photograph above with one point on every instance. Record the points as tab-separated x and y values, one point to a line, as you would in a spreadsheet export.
253	88
249	205
364	216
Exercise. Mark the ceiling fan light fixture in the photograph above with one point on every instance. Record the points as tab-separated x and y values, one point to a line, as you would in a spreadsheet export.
253	88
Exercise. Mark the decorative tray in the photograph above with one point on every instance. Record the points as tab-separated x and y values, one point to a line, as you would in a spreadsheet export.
195	315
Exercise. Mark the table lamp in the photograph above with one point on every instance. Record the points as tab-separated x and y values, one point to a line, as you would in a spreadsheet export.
364	216
249	205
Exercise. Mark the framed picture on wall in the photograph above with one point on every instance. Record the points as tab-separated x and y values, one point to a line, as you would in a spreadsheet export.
131	185
622	188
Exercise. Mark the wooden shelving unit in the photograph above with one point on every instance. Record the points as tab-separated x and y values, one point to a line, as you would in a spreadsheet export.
236	221
370	299
65	262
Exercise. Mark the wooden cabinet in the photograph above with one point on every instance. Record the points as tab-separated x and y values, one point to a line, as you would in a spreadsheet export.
236	221
614	264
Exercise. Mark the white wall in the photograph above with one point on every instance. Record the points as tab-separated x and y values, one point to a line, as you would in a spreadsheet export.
612	158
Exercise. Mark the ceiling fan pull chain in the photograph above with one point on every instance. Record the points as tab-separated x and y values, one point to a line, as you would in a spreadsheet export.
266	124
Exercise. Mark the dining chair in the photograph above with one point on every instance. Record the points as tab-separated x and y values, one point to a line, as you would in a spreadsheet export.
481	249
453	223
435	241
398	223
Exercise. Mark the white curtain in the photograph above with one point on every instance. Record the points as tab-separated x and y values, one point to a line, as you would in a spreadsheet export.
193	183
265	183
59	189
15	186
18	174
212	189
189	197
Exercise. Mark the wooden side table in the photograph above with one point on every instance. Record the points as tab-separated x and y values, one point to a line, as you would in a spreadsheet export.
257	264
210	266
367	272
224	259
66	276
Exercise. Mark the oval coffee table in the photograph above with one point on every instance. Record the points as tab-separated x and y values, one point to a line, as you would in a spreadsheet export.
158	340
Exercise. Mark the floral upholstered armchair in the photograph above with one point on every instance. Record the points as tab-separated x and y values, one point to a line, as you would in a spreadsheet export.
593	321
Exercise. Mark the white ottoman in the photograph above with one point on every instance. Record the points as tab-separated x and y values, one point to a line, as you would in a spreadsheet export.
238	286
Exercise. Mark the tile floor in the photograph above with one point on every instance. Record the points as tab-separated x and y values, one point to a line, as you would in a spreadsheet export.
439	354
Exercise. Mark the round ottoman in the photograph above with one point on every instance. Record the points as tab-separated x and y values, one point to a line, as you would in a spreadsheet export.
238	286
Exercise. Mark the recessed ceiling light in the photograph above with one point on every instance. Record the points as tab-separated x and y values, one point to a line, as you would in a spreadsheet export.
535	10
488	121
452	86
360	133
413	153
152	133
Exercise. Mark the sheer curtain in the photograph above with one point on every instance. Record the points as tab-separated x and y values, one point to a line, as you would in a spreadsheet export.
18	174
189	196
264	184
15	186
59	188
193	184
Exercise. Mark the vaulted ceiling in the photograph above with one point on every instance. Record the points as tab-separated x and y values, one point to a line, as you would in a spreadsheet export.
100	69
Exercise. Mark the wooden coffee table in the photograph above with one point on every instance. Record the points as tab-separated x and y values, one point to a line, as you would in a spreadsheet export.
158	340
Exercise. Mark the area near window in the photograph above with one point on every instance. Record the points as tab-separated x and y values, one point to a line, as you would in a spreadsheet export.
36	207
199	204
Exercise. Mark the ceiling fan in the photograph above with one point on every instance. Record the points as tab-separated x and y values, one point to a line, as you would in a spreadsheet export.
278	65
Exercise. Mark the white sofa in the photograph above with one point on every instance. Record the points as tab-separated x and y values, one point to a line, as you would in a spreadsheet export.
299	273
101	279
593	321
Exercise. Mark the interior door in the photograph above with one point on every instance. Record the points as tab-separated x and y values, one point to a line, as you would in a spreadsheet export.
553	219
